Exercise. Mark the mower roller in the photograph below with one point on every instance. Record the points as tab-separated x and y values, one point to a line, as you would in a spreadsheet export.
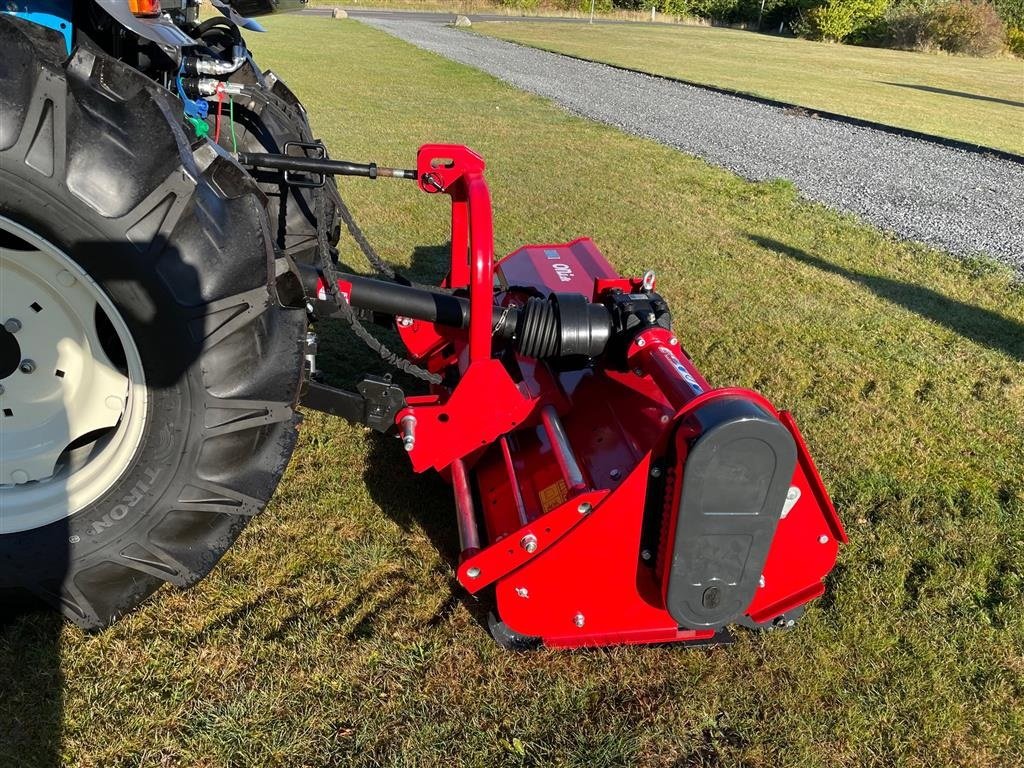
604	491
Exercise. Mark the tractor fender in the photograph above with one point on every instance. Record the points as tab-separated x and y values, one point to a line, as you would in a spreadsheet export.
165	33
160	30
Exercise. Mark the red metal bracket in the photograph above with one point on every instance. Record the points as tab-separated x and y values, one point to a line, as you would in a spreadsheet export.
458	172
518	548
451	424
452	427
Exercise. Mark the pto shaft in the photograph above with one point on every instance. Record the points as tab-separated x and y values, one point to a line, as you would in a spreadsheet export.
560	327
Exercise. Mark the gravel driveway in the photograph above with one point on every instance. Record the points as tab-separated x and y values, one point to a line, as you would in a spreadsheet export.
959	201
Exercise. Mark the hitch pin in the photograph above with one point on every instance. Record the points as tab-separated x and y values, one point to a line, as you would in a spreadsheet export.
408	428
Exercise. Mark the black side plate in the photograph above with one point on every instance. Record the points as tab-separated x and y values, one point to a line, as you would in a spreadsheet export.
735	482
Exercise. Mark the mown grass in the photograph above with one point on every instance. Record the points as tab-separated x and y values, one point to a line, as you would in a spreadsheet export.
980	101
333	634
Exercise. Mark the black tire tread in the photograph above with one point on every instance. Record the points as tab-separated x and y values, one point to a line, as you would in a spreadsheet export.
84	120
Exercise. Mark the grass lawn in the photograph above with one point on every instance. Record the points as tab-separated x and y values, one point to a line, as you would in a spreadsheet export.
333	633
976	100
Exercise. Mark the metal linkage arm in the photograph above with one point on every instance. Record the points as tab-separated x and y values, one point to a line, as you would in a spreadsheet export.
321	166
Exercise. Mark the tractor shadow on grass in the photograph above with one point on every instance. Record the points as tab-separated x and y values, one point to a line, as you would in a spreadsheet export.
980	325
958	94
31	683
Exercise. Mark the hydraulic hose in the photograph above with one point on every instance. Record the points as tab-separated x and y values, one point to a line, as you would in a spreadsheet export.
202	65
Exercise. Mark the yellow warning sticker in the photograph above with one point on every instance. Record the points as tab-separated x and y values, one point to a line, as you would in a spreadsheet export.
554	495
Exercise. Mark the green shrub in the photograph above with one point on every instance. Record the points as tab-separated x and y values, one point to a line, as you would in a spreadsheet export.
719	10
964	26
1015	41
726	11
838	20
1012	12
954	26
675	7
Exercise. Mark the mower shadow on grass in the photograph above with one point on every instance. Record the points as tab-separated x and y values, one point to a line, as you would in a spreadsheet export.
409	500
978	324
420	501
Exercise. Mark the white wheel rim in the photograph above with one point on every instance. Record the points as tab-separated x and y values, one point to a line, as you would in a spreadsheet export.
71	418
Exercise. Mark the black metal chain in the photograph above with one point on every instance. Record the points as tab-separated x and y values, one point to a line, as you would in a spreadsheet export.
382	267
344	309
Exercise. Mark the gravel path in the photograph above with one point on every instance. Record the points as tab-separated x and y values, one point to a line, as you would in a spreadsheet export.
959	201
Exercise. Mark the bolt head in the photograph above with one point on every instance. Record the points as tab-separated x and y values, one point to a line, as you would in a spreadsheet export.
793	493
27	366
579	620
529	543
655	471
473	572
711	598
641	342
585	508
522	592
12	325
645	554
615	474
823	539
673	341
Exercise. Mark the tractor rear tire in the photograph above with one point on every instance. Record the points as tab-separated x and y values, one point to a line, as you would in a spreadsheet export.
266	119
268	122
172	242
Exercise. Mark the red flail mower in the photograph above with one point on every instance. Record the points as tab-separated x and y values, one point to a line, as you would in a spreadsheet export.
604	490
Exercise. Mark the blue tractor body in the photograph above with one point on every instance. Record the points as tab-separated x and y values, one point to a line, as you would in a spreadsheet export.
52	14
